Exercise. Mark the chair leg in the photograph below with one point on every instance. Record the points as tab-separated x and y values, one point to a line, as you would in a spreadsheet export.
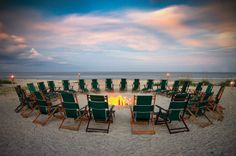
19	108
35	120
184	123
62	123
88	124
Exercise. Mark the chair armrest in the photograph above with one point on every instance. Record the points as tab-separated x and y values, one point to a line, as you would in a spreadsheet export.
160	108
85	107
112	107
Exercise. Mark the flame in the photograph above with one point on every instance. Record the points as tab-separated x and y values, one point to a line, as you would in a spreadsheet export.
118	100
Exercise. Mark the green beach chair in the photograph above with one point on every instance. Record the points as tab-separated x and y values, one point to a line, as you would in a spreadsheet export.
149	86
215	106
175	88
136	85
95	85
27	104
144	99
109	85
185	87
199	107
142	115
100	112
163	87
72	110
123	85
45	108
82	86
175	112
21	98
67	87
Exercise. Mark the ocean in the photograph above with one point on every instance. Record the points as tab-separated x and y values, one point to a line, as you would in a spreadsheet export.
119	75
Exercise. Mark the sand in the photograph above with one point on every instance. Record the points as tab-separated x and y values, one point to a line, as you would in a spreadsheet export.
19	136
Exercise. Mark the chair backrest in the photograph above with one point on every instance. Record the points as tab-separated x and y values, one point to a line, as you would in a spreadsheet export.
38	95
82	84
176	110
42	103
144	99
163	84
180	97
198	87
31	87
70	105
94	83
209	88
41	86
136	84
18	91
204	102
68	97
66	84
143	112
185	86
101	98
99	110
51	86
175	86
219	94
149	84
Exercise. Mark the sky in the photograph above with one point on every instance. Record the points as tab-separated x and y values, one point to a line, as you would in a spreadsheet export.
118	35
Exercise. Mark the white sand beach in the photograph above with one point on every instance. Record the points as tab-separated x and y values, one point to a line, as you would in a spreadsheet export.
19	136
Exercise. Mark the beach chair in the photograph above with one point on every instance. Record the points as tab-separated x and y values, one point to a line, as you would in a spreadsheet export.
82	86
123	85
20	97
175	112
175	88
45	108
163	87
198	89
149	86
198	107
136	85
185	87
67	87
27	104
144	99
95	85
109	85
215	106
100	112
142	115
72	110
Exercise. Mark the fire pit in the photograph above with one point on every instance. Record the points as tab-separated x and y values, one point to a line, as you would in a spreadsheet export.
119	101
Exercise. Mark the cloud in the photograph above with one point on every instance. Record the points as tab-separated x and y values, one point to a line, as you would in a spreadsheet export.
176	34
